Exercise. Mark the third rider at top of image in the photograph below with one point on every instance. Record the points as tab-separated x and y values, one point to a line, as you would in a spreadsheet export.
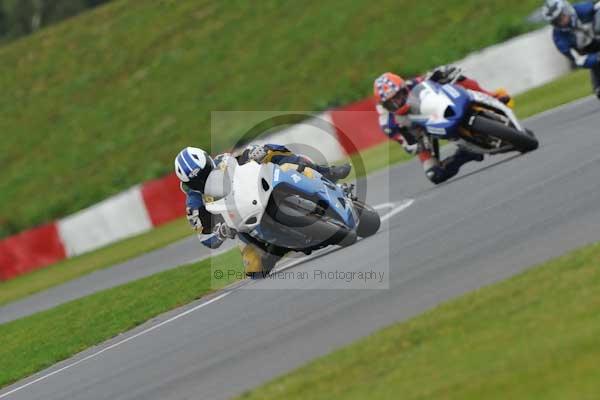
577	34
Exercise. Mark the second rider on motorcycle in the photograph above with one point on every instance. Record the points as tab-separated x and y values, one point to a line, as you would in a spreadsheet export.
392	93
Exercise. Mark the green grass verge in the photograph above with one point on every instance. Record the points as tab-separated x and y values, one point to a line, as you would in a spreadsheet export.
534	336
39	341
104	100
107	256
563	90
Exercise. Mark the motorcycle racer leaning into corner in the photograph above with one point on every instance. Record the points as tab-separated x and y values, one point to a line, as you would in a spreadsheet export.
577	34
193	165
392	92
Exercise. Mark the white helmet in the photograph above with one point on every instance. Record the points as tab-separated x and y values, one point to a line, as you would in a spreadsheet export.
192	166
554	9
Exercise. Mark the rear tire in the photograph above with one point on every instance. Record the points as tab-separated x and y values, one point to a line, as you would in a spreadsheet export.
369	220
523	142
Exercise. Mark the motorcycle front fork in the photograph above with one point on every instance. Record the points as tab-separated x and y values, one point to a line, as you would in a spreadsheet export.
429	152
348	189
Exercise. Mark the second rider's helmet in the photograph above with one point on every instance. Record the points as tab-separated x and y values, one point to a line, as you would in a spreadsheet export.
560	13
391	91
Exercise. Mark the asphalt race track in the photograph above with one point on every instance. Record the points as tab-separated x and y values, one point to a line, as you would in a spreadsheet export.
494	220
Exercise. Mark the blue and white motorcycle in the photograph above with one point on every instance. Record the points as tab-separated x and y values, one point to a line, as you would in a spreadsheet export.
289	207
473	120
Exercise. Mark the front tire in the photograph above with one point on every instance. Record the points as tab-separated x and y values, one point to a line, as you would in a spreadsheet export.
522	142
369	220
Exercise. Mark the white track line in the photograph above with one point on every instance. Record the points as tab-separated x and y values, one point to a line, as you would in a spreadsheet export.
112	346
403	206
384	205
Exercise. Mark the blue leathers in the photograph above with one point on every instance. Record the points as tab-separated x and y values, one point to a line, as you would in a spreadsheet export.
580	40
200	219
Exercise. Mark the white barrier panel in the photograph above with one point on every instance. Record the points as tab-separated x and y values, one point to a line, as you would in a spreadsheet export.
316	138
115	218
519	64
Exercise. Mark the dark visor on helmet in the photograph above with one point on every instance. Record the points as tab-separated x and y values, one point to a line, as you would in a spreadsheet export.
398	101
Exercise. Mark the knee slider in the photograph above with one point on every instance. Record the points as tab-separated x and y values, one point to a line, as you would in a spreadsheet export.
436	175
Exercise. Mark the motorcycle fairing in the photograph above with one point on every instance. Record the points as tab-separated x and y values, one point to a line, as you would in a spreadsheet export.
441	108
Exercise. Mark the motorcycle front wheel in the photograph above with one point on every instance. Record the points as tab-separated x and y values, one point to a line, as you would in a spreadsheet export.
369	220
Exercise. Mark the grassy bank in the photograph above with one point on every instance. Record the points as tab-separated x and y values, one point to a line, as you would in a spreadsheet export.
561	91
38	341
104	100
533	336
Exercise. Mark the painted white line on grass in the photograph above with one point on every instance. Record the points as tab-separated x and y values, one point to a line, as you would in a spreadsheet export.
112	346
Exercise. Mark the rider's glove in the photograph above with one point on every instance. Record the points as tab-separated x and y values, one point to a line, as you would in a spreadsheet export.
223	231
193	217
411	148
213	242
444	74
221	159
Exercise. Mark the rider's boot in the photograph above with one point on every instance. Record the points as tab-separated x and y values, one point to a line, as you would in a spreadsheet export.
448	168
337	172
462	156
257	262
503	96
431	165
